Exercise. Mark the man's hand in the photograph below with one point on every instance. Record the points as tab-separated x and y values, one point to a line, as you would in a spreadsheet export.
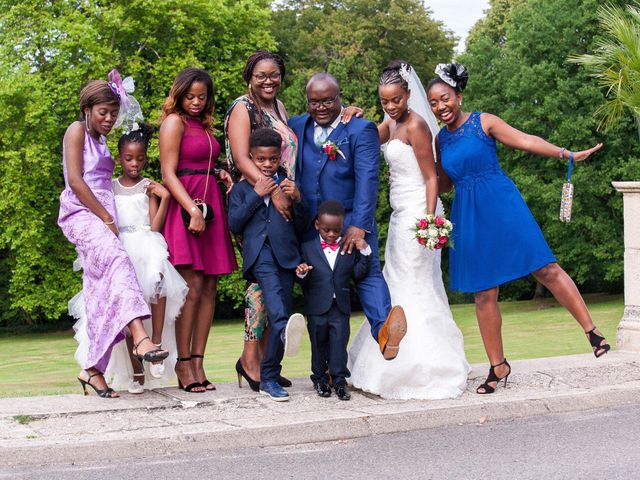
350	238
282	204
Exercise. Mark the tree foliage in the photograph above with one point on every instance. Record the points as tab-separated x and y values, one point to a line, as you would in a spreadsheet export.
48	51
354	40
517	59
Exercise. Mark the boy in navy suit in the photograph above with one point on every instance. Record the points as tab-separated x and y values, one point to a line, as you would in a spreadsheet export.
325	277
270	252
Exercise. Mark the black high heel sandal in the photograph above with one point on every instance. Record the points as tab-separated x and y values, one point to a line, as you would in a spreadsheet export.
283	381
205	383
253	385
189	388
155	355
104	393
596	343
494	378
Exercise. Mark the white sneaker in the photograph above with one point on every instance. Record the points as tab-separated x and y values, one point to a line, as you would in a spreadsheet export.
156	369
135	387
293	334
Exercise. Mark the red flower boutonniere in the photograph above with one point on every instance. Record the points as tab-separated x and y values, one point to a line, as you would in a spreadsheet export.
332	150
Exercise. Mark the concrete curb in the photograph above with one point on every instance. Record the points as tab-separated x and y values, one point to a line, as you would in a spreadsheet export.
307	420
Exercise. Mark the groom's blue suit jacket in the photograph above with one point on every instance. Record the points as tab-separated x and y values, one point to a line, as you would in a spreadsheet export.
352	180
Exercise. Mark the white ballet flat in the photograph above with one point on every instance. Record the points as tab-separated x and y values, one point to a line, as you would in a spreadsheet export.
156	369
135	388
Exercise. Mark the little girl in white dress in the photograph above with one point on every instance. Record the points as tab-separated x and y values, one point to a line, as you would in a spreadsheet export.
141	206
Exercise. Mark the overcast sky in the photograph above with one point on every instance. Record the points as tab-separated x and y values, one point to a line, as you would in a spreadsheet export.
458	15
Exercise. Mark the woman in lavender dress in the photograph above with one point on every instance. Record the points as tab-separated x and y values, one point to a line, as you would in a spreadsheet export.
112	297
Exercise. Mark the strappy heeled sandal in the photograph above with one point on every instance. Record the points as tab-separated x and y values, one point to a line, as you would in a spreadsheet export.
154	355
205	383
596	343
189	388
104	393
492	377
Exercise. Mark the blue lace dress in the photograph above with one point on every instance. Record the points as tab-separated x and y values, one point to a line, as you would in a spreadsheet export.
496	238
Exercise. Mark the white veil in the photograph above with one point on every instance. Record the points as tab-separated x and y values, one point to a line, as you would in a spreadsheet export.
419	103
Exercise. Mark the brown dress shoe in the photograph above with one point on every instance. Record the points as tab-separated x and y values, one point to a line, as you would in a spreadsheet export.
392	332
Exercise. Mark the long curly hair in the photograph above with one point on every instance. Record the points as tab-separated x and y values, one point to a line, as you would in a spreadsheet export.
180	87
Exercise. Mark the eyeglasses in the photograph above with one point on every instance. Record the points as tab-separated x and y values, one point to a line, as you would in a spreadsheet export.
262	77
328	103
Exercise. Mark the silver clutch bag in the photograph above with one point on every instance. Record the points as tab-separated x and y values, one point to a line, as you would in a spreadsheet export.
566	202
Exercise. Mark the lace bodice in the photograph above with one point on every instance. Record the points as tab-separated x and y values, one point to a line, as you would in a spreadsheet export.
467	153
132	205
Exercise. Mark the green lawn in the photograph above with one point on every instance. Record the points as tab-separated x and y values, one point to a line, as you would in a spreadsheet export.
43	364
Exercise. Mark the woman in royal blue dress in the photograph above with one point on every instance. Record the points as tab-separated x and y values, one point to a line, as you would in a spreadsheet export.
497	240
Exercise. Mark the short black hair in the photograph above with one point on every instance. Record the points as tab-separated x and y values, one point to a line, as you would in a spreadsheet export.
265	137
331	207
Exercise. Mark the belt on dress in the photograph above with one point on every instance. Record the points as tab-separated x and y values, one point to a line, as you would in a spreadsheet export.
203	171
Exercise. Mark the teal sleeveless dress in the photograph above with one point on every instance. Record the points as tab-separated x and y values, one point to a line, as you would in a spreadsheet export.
496	238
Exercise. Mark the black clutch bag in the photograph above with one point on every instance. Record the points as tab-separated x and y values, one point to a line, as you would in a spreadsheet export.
205	208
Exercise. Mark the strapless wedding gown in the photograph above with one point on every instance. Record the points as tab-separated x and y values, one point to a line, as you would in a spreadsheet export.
431	363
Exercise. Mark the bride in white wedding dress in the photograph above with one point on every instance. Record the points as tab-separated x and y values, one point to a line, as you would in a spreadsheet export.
431	363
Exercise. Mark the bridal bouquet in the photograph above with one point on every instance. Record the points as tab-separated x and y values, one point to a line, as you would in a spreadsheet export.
434	232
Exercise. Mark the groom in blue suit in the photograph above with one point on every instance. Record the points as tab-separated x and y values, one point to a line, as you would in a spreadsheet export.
342	162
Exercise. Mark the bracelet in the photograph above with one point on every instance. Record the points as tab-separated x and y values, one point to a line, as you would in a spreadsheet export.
562	153
111	222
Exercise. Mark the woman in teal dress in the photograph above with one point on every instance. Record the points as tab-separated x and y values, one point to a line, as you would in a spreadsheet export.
496	237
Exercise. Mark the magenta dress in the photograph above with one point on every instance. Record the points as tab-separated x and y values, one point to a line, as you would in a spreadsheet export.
112	296
210	252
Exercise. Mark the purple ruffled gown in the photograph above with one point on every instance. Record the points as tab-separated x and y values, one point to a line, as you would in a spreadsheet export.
112	296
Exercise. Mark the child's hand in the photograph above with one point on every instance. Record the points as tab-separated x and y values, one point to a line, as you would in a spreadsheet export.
303	269
264	186
226	179
361	244
154	188
290	188
114	228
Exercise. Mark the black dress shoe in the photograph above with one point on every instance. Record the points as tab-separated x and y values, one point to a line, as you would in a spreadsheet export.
322	389
283	382
343	393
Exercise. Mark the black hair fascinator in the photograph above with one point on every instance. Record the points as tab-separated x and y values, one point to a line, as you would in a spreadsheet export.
453	74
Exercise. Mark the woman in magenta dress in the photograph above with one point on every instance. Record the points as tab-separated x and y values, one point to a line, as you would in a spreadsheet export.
112	297
200	250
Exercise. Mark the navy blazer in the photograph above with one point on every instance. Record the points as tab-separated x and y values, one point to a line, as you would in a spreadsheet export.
353	180
321	283
251	218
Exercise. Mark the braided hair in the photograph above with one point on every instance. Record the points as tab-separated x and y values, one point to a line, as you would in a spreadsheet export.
247	73
391	74
142	135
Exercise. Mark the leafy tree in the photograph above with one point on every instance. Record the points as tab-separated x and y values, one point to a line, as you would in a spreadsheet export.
518	66
354	40
48	51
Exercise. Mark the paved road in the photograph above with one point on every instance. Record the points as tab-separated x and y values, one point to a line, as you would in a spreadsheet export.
582	445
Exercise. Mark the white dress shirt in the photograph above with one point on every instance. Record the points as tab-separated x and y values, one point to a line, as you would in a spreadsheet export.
317	129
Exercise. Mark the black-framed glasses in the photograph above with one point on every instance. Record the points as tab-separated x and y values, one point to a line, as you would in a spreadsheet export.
262	77
327	103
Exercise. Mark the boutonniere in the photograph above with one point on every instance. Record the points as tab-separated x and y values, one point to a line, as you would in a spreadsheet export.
332	150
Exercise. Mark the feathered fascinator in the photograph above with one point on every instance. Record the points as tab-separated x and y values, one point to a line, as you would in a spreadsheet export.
453	74
130	112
